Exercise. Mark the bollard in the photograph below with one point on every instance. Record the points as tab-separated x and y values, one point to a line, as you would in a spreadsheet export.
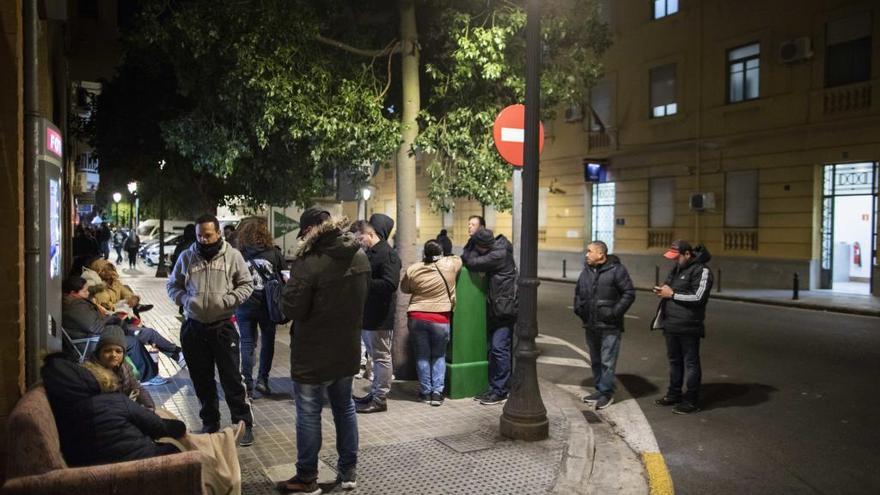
563	268
795	287
656	276
719	280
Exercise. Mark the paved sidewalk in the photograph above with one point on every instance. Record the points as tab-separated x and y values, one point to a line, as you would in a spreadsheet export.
413	448
818	299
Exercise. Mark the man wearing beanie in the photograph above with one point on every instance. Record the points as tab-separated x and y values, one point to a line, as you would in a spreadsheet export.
210	280
494	256
378	322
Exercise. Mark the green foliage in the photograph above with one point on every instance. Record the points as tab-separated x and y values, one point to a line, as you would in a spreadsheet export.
476	67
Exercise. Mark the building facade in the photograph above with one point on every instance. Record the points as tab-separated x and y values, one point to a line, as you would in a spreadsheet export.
750	127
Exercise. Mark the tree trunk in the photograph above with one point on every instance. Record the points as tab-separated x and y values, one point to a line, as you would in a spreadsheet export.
404	366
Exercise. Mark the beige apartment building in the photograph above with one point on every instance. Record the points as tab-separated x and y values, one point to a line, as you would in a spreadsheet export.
752	127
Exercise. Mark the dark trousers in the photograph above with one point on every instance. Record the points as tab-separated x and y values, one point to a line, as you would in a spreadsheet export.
148	335
118	254
248	324
683	352
210	345
499	359
132	257
140	357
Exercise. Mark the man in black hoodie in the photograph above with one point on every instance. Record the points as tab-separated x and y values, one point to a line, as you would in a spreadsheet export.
603	294
494	257
379	310
681	315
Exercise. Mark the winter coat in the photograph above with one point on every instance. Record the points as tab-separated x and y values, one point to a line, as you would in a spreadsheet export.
100	428
385	267
111	290
118	239
271	263
603	295
132	242
685	312
121	379
325	297
499	266
80	317
209	291
182	246
430	294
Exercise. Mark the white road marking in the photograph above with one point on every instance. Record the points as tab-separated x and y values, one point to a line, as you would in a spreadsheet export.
558	361
513	135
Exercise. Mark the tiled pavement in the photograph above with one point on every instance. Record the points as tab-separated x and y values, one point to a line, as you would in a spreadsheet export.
412	448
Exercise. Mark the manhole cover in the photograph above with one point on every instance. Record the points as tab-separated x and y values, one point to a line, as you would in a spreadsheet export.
469	442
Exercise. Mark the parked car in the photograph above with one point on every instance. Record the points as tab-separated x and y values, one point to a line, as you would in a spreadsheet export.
151	256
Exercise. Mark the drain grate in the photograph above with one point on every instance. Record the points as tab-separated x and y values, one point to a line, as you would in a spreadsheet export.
255	482
469	442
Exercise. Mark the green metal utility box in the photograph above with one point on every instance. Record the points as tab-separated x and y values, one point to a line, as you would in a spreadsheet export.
467	367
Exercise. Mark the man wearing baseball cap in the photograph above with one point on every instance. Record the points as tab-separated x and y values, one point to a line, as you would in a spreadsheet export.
681	315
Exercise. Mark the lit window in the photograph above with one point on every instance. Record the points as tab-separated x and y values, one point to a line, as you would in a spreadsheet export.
663	102
663	8
743	73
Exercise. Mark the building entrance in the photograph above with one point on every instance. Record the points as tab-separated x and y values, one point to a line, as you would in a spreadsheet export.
849	226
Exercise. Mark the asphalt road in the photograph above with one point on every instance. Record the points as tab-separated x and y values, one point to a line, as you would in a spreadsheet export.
791	397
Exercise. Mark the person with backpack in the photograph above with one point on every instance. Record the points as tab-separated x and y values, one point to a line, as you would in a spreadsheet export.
131	246
265	263
432	285
118	239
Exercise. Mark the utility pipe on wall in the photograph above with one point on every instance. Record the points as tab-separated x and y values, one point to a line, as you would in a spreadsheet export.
31	189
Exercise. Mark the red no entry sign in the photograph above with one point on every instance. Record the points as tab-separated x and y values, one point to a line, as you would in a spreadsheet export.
509	133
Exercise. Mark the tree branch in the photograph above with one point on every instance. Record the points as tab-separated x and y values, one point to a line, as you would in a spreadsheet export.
392	48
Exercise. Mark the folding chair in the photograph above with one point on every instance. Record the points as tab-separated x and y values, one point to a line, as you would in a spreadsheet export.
83	347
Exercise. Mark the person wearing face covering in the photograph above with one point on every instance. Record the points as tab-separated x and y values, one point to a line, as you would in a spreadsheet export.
210	280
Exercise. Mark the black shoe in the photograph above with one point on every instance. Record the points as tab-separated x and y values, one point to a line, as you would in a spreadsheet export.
493	399
483	395
363	400
604	401
685	408
210	428
142	308
426	398
592	398
247	438
436	399
374	406
263	386
667	401
299	485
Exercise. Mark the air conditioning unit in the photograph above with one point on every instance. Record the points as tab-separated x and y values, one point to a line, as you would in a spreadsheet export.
574	113
702	201
795	50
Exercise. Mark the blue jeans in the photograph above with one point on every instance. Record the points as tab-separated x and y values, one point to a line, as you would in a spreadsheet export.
309	402
429	341
248	322
604	348
499	360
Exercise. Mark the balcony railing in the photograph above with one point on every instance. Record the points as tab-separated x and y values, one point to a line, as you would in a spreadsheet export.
741	239
853	97
660	238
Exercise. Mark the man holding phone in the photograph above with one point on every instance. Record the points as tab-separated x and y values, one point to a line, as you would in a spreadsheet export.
681	315
603	295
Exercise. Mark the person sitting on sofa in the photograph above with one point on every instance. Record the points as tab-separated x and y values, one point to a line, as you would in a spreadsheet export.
113	373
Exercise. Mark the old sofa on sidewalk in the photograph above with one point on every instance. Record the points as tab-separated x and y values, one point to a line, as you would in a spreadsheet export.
34	464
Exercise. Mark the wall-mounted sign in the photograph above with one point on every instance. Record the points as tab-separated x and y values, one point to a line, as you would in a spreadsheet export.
53	142
594	170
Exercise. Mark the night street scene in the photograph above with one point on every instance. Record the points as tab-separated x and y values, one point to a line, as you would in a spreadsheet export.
439	247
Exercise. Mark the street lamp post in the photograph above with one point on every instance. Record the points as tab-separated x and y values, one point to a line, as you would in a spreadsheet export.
161	268
132	190
116	199
366	193
524	416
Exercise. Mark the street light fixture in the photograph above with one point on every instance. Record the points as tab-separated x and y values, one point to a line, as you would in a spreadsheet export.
161	268
132	190
524	416
366	194
117	197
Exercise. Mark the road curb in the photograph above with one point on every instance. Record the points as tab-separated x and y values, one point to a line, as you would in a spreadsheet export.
768	302
659	480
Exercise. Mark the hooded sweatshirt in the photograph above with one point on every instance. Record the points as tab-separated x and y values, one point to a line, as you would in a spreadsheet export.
385	276
209	291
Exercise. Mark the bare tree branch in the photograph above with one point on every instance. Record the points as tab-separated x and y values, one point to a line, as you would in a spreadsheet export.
392	47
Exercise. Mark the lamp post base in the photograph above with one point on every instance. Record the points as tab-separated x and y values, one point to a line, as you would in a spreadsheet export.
528	429
161	271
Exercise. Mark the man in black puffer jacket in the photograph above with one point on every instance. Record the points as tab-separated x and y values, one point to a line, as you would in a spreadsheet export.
494	257
603	295
378	323
100	428
681	315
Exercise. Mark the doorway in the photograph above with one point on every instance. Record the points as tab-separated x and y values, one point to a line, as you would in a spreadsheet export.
849	227
603	214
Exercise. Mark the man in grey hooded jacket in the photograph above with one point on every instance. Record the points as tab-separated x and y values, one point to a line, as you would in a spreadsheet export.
210	280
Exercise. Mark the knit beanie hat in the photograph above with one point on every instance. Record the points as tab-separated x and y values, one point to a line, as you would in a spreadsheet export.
484	238
112	335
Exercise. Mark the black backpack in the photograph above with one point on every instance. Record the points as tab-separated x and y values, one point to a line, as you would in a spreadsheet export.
272	285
